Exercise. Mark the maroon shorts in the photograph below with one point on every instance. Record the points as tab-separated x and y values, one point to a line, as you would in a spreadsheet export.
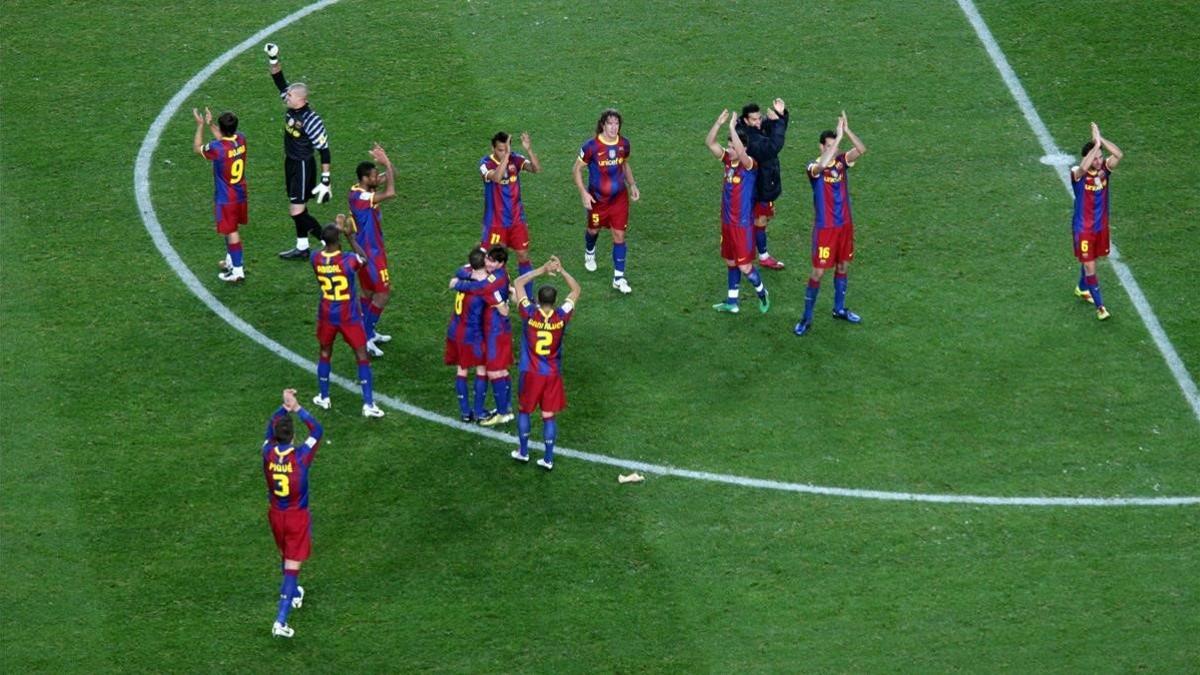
515	236
764	209
542	391
353	333
229	216
463	354
832	246
612	214
374	277
737	244
1090	245
293	532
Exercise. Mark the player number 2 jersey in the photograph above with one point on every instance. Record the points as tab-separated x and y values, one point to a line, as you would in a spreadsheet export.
541	341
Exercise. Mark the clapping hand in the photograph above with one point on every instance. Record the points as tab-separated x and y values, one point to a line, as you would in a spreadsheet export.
290	403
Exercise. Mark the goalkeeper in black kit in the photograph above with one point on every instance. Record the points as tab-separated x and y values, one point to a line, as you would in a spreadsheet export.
303	136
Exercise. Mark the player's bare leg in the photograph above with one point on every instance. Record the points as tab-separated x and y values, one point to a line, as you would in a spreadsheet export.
839	295
324	367
590	237
366	382
290	596
619	249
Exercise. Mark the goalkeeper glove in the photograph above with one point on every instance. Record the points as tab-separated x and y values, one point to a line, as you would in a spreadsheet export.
272	51
323	192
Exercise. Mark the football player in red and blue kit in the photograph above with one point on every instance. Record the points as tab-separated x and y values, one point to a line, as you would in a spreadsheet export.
737	214
339	312
366	222
285	466
227	152
503	213
606	196
464	335
487	300
833	226
542	330
1089	224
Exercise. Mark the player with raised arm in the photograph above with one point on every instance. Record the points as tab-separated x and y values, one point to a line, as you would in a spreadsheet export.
303	135
227	152
1089	224
833	226
544	325
285	466
366	222
606	196
737	214
339	312
764	141
503	213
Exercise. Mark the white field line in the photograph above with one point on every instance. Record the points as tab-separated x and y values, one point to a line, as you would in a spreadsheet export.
141	184
1124	274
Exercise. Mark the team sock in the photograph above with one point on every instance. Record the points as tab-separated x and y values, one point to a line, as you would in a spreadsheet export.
1093	285
589	242
523	433
755	280
810	297
365	380
481	384
839	292
735	281
370	318
286	592
235	255
760	240
460	386
1082	278
522	268
323	368
549	434
618	260
501	391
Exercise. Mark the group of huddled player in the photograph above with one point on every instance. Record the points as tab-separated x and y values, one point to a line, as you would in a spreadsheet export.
479	338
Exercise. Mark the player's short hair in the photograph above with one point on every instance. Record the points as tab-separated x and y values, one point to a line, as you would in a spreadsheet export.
608	112
1087	147
500	137
499	254
364	169
283	430
330	234
750	108
825	135
547	295
475	258
228	123
300	88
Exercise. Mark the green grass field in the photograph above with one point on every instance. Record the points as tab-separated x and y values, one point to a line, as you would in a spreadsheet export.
132	525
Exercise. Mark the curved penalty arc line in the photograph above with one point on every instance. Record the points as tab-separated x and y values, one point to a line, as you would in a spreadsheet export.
141	184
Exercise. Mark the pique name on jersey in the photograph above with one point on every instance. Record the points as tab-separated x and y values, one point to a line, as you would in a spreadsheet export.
279	468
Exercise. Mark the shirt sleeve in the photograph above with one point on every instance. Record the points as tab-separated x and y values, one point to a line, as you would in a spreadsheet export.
585	152
314	128
308	451
212	149
483	168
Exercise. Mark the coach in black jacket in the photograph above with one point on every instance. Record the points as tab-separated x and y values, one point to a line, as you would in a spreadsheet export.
764	140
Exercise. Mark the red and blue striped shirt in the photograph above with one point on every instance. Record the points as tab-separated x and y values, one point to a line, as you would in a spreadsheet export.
606	167
831	193
285	466
339	297
737	197
542	335
502	199
367	221
1091	200
228	155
